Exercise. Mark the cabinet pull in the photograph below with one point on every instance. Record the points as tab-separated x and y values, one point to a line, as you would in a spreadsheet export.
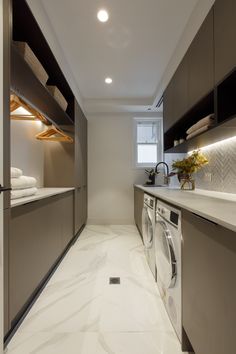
4	189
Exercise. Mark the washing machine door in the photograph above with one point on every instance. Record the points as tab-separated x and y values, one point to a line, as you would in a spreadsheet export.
147	226
165	255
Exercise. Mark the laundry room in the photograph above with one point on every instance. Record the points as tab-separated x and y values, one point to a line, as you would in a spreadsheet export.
117	176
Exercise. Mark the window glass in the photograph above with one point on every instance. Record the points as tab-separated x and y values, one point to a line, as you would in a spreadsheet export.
148	142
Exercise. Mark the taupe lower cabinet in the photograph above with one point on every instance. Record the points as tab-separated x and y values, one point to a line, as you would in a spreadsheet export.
80	207
39	233
209	285
138	207
224	32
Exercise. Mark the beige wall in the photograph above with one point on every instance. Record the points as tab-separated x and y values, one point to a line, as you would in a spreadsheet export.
27	153
111	172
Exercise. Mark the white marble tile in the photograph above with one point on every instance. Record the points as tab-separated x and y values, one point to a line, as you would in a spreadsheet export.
79	312
54	343
81	265
66	309
133	306
138	343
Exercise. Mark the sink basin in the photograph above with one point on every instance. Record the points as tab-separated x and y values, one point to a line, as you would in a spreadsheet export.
154	185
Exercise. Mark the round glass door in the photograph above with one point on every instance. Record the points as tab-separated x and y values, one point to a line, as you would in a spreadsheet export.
165	255
147	227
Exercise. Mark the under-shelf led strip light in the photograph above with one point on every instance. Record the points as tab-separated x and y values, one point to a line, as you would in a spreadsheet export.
218	143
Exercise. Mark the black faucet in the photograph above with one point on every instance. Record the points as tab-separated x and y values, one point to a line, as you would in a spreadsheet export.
166	177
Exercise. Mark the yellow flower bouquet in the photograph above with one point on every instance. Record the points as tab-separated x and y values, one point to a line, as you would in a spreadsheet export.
186	167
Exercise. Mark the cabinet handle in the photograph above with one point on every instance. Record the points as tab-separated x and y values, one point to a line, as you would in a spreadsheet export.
4	189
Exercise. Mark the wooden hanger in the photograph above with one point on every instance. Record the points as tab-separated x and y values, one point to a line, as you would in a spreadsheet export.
54	134
17	102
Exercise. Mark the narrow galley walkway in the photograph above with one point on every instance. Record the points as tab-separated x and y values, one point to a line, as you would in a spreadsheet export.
80	312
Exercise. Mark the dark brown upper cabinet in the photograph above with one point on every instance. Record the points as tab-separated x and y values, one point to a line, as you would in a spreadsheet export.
175	96
168	107
224	32
201	62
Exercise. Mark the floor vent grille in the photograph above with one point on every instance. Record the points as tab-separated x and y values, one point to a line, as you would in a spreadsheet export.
114	280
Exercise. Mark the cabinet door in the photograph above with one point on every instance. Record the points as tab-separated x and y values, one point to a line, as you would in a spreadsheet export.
67	218
180	90
168	107
201	62
225	32
34	246
138	208
78	146
84	149
85	204
79	209
209	286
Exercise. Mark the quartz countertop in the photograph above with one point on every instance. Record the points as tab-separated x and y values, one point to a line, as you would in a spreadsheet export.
41	194
214	206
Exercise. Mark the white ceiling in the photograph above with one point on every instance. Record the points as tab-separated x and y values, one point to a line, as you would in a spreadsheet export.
134	47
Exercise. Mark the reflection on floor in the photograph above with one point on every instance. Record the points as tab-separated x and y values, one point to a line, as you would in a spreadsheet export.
79	312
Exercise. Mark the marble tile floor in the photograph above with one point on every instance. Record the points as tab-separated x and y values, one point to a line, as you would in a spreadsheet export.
79	312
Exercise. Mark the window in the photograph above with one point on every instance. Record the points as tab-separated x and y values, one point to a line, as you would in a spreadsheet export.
148	142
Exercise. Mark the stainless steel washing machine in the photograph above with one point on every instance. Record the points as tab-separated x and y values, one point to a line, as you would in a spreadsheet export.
148	226
168	239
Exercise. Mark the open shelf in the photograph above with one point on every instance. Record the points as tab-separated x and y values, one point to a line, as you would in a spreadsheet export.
178	130
224	130
24	83
222	102
226	97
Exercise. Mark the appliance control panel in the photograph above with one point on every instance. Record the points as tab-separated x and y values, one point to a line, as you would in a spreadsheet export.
149	201
169	213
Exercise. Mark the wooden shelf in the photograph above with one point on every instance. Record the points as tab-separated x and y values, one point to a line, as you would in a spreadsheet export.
26	85
222	131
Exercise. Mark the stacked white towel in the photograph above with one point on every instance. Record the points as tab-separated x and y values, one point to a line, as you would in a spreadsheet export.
201	126
22	186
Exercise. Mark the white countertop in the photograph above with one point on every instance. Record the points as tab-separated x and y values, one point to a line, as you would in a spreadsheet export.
215	206
41	194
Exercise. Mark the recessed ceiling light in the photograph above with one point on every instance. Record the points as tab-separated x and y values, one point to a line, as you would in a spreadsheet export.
108	80
102	15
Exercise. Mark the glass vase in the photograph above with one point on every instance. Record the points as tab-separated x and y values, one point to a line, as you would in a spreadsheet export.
186	182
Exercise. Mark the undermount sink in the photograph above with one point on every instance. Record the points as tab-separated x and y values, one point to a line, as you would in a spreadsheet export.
155	185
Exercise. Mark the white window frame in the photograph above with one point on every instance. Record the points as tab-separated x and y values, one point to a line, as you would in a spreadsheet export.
138	165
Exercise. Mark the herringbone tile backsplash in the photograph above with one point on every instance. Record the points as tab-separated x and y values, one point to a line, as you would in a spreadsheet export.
222	166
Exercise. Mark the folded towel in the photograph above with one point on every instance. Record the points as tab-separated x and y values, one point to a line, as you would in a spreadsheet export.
21	193
23	182
207	121
16	172
198	131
